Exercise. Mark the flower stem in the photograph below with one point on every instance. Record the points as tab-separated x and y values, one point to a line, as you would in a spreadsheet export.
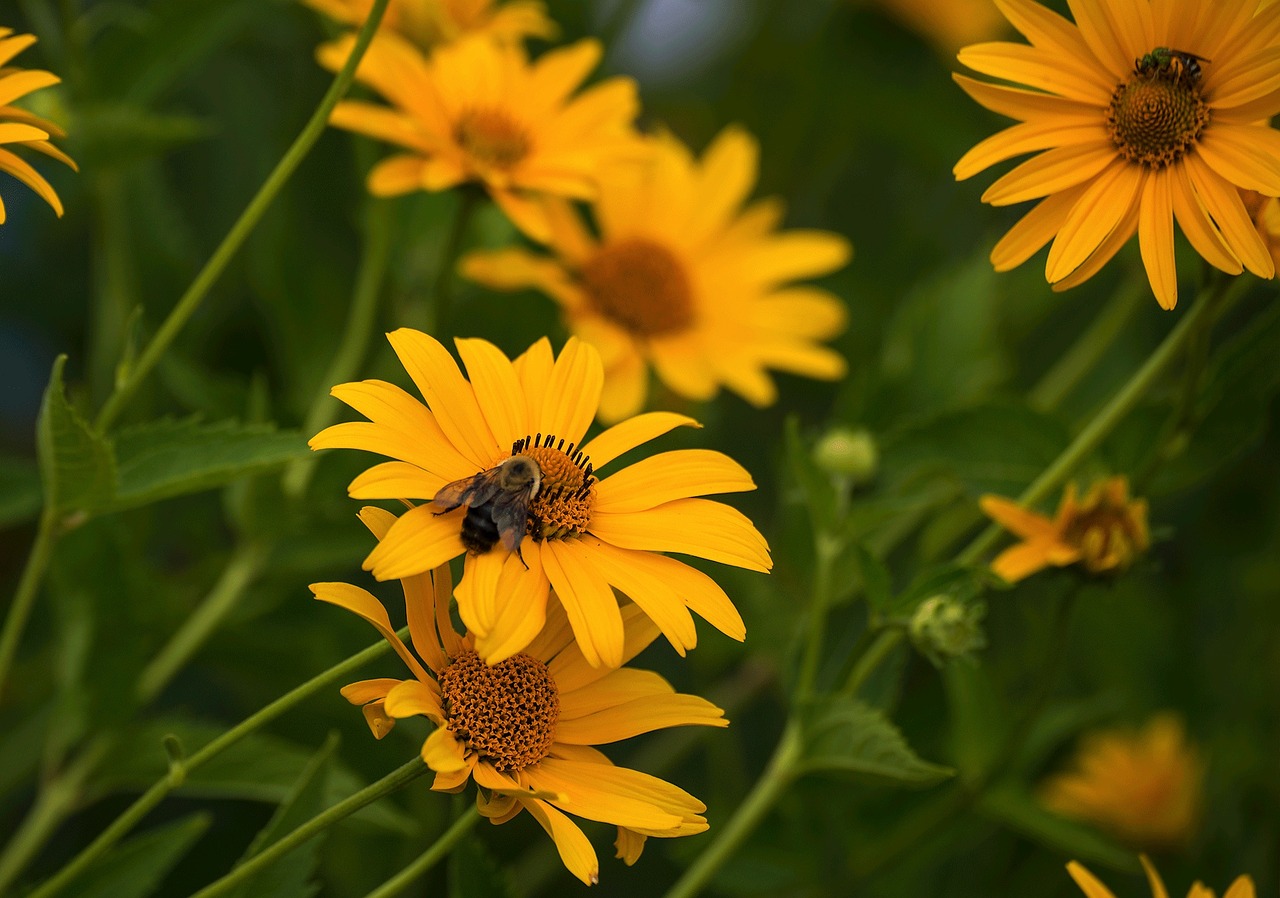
392	782
825	550
1106	420
439	850
361	318
16	620
775	779
469	197
872	658
132	815
244	225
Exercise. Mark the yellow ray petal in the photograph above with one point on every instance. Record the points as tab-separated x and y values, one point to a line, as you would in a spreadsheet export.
1200	229
1098	212
1035	229
626	383
615	688
419	541
362	692
520	607
1246	155
588	600
1033	67
1029	137
648	591
586	799
1089	883
1153	878
1021	104
1049	31
395	480
575	851
1241	888
1223	203
571	670
361	602
642	715
443	753
671	475
1155	237
623	437
497	389
1053	170
24	81
21	170
573	392
414	698
636	784
698	527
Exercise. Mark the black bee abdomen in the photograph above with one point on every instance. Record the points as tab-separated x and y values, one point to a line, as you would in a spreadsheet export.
479	532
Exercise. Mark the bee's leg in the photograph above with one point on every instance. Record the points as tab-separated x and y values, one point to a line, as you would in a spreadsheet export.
455	505
520	555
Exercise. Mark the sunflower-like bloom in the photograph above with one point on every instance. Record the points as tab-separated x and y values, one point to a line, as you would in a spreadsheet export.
584	536
429	23
1141	786
1141	112
480	112
951	25
685	279
1104	531
19	128
1265	212
1093	887
524	729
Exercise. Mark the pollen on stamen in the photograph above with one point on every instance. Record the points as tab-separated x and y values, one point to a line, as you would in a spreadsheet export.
562	506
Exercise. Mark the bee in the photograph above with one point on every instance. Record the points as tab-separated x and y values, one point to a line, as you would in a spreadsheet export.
1184	66
497	502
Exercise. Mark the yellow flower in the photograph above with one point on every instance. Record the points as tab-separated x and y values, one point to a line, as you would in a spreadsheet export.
1142	786
19	128
948	25
686	280
583	536
1093	888
480	112
429	23
1104	531
1265	212
1146	111
524	729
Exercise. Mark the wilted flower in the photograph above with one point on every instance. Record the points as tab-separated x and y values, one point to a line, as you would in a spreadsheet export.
22	129
1093	887
429	23
1140	113
477	111
1104	531
524	729
583	536
1141	786
684	279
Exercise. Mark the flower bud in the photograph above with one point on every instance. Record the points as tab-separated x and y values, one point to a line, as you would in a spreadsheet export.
848	453
943	628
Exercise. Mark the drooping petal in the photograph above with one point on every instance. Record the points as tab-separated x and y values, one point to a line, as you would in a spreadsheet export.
1155	237
363	603
575	851
588	600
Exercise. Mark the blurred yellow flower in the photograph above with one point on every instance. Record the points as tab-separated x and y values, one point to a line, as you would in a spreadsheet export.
948	25
1104	531
1265	212
1093	887
524	729
22	129
1141	786
429	23
480	112
1139	113
577	534
685	279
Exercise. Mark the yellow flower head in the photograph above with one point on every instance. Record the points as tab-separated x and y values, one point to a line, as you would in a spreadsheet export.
1104	531
1141	786
685	279
1265	212
524	729
429	23
1140	113
948	25
480	112
19	128
557	526
1093	887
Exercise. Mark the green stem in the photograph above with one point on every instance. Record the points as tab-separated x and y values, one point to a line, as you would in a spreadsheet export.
132	815
115	283
361	318
242	569
437	852
1060	380
28	586
244	225
1106	420
392	782
772	783
825	550
469	197
872	658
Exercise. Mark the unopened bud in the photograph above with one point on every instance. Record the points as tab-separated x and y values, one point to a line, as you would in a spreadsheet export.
848	453
943	628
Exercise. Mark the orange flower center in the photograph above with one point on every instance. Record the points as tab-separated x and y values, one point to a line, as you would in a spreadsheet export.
491	137
507	713
639	286
1158	114
1107	536
562	506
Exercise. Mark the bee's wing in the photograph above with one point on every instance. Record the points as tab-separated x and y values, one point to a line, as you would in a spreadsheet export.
510	513
470	491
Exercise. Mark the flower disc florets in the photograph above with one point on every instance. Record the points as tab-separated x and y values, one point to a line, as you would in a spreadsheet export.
563	504
492	137
507	713
640	286
1156	116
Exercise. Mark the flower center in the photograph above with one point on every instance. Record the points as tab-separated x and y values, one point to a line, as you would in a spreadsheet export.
507	713
1158	114
491	137
1107	538
563	504
640	286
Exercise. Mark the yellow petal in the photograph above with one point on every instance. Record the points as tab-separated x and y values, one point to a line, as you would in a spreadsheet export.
443	753
1097	213
497	389
629	845
671	475
419	541
414	698
361	602
395	480
1049	172
1241	888
364	691
575	851
571	670
586	799
642	715
24	81
1088	883
653	595
698	527
623	437
1153	878
573	392
519	604
1155	237
21	170
587	599
614	688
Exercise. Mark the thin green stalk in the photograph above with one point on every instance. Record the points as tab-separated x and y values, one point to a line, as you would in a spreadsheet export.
244	225
375	262
28	586
1106	420
1065	375
825	550
873	657
244	566
438	851
132	815
115	282
392	782
772	783
469	197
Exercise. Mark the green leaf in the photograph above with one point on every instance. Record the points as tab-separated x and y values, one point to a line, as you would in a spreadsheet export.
979	718
115	134
19	490
475	873
288	876
76	464
135	869
162	459
1019	811
876	581
846	736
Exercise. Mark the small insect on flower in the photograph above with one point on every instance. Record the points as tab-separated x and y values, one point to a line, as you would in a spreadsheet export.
1179	66
497	502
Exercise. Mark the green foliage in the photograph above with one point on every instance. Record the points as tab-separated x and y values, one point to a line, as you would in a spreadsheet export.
77	466
136	868
844	736
474	872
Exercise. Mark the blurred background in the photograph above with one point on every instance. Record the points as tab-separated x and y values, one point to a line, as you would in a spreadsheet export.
177	110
